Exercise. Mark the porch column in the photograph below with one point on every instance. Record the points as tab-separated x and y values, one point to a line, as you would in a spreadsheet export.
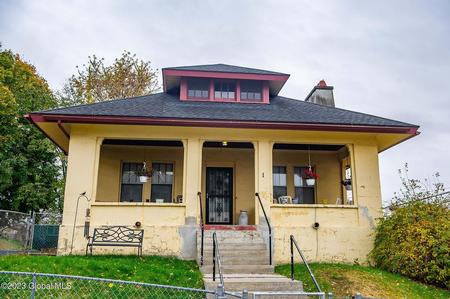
366	186
192	174
192	178
82	171
263	178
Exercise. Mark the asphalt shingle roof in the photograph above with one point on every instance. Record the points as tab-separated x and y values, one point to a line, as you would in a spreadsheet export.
280	109
224	68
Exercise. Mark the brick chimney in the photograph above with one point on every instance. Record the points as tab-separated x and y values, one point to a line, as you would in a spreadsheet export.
321	94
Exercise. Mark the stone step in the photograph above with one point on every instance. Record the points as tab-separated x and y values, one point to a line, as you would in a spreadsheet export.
253	282
239	269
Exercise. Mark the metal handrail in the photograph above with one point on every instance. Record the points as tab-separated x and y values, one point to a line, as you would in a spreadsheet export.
202	227
270	227
216	259
294	242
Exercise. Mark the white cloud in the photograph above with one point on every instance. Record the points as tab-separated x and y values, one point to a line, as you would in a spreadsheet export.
385	58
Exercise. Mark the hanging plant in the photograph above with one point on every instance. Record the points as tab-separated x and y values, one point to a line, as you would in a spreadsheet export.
347	184
310	176
144	173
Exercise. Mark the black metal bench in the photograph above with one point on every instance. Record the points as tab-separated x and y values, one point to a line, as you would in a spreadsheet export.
116	236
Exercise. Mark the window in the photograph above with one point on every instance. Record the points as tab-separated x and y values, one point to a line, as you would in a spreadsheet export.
162	181
131	188
303	193
279	181
251	90
198	88
225	90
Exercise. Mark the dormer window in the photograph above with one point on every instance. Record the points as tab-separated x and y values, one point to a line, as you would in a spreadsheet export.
251	91
198	88
223	83
224	89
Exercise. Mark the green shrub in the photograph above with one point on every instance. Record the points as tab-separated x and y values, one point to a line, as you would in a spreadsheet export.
414	240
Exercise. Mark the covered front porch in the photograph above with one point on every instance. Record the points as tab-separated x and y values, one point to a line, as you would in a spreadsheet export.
227	175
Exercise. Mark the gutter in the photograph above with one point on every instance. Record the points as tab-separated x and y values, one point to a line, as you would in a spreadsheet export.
38	117
32	120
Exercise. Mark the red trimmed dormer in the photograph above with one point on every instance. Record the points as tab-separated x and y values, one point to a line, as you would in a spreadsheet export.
223	83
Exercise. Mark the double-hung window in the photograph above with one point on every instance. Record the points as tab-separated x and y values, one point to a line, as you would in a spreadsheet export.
251	91
224	90
303	193
198	88
162	181
131	187
279	181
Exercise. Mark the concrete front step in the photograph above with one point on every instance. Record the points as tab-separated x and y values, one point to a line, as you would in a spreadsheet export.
233	233
238	241
239	269
253	282
236	246
238	260
237	251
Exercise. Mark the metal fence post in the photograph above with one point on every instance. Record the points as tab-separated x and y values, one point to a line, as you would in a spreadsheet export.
33	286
220	292
244	294
292	259
358	296
330	295
214	260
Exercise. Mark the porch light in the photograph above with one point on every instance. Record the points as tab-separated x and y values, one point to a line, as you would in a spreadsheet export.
224	143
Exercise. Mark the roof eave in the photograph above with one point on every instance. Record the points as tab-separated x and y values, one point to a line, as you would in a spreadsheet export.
126	120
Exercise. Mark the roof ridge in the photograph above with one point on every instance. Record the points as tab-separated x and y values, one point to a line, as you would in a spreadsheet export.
225	65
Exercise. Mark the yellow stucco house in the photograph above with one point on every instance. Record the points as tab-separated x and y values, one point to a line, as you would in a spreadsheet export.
213	138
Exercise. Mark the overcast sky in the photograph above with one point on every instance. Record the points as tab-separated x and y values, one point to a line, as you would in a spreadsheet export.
388	58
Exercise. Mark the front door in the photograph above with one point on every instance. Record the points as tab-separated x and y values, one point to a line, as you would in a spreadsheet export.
219	195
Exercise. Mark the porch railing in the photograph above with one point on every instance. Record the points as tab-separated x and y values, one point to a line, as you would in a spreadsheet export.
294	243
217	260
202	227
268	225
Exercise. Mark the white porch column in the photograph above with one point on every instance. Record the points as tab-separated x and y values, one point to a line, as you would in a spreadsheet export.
263	178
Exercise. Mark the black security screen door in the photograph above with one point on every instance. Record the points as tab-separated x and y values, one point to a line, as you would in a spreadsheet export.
219	195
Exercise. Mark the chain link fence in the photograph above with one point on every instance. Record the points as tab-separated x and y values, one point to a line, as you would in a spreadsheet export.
39	285
22	232
15	230
42	285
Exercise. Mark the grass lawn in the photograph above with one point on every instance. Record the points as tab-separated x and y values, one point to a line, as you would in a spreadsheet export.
151	269
6	244
346	280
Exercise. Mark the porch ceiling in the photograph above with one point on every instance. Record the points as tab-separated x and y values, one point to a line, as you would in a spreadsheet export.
170	143
305	147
